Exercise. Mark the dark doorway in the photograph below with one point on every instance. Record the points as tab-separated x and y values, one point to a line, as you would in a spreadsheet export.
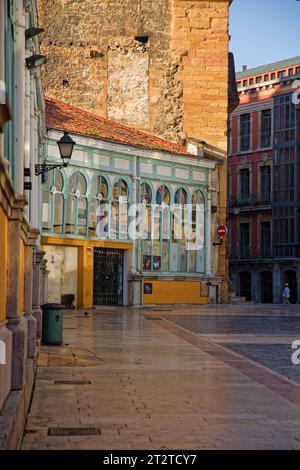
245	285
108	277
266	286
291	278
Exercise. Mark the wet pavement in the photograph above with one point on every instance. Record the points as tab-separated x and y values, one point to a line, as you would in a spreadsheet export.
170	378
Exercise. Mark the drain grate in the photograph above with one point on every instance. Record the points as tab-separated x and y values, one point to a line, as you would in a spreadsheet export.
72	382
74	431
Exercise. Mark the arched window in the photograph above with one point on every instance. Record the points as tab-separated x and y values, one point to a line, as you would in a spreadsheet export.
146	193
180	197
198	198
161	231
196	257
146	201
53	202
178	230
119	210
99	195
76	212
163	195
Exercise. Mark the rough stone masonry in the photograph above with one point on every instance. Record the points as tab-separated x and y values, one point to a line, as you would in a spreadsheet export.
159	65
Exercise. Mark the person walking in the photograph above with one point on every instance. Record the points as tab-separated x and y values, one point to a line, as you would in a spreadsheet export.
286	294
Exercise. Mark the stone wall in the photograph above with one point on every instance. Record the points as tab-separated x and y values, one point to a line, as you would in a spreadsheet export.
98	58
173	84
128	81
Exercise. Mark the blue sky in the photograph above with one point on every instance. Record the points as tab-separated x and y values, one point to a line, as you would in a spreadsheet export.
264	31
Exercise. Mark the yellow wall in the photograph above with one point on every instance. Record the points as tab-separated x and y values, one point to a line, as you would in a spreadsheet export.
85	277
175	292
21	297
3	263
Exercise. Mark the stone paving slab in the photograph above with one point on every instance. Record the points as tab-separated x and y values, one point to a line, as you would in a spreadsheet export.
157	384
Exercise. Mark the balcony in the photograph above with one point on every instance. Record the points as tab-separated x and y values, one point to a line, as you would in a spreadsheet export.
250	255
248	204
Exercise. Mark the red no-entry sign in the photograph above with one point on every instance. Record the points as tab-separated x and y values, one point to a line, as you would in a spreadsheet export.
222	231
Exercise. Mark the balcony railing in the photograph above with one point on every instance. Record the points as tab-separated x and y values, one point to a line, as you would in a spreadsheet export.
249	255
251	201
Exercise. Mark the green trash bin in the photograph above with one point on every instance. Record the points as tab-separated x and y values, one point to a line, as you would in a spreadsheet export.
53	323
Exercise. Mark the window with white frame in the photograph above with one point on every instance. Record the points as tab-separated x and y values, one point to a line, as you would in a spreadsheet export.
53	203
76	206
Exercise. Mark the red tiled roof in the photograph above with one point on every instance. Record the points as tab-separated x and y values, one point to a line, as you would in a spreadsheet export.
62	116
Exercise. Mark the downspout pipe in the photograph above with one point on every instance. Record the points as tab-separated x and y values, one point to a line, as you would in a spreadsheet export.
20	95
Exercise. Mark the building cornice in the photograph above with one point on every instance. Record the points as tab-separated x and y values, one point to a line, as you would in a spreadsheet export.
165	157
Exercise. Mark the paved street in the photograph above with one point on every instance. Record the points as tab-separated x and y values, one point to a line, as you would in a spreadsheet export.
170	378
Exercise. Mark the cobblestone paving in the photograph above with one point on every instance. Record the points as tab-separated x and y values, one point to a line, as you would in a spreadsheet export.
170	378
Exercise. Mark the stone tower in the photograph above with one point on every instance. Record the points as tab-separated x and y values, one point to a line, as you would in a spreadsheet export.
158	65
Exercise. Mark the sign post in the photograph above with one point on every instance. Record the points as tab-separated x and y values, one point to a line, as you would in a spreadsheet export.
222	231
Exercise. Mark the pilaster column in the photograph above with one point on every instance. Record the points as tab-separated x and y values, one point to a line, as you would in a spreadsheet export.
133	201
134	283
277	286
43	273
208	228
31	320
16	322
255	287
36	291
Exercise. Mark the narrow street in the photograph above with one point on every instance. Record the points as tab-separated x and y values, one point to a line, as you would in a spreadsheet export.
170	378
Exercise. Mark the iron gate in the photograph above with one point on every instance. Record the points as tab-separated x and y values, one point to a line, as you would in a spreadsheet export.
108	277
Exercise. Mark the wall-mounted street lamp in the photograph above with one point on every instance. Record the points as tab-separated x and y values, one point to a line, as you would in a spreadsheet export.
35	60
65	145
32	31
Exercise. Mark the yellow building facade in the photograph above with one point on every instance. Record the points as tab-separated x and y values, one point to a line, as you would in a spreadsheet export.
22	269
